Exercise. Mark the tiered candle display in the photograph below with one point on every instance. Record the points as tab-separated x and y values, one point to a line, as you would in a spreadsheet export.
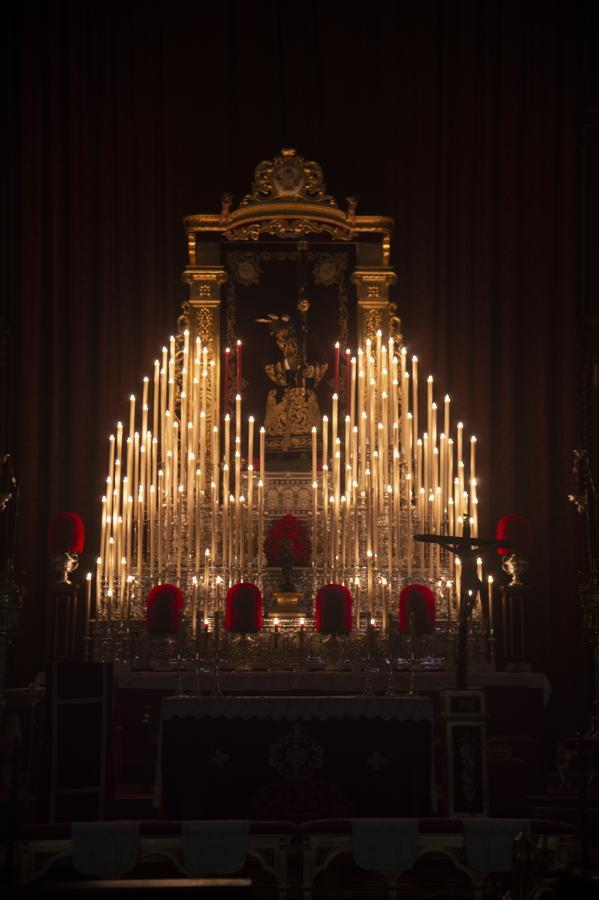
185	505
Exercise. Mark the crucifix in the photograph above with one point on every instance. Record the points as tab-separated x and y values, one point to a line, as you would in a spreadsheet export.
468	548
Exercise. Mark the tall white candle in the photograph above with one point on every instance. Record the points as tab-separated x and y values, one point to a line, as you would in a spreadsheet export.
415	395
250	454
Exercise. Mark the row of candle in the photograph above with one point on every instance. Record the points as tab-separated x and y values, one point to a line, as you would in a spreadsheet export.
447	599
181	497
382	473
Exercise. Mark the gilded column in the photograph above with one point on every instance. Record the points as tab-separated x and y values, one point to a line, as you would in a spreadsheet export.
201	313
374	309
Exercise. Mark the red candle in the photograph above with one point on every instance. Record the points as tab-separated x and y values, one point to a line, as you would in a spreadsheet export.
337	351
226	392
238	367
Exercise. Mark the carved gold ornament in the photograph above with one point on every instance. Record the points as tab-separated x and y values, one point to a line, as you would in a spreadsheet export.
287	176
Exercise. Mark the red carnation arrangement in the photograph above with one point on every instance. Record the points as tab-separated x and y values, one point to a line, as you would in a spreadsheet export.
243	608
163	609
333	610
66	533
420	600
516	532
288	531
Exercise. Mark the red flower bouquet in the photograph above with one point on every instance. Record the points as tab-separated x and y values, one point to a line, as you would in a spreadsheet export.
420	600
243	608
333	610
163	609
291	532
517	531
66	533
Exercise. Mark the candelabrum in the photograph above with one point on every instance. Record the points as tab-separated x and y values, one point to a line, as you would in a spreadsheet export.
515	566
185	503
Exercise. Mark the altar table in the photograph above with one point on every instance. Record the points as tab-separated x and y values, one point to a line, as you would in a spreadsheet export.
296	757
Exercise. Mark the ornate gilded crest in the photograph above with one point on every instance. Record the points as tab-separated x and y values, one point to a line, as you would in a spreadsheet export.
288	177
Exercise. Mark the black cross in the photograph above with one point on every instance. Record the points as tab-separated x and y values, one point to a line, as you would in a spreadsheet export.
468	548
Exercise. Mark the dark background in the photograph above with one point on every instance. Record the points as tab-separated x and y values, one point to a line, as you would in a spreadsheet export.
473	124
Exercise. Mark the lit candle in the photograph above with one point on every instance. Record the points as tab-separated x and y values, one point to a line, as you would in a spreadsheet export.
144	407
238	418
379	345
337	367
260	521
415	395
449	467
385	604
226	390
262	452
215	454
347	381
347	453
479	568
250	456
206	580
213	519
194	604
160	519
228	440
156	398
409	536
352	404
447	405
151	518
490	597
238	367
458	579
429	403
334	422
131	416
405	415
88	602
314	520
163	395
369	577
119	438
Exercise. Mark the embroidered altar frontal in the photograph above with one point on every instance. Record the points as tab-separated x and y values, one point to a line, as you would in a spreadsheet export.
296	758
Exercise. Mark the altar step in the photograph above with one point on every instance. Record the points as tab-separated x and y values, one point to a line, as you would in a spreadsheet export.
148	888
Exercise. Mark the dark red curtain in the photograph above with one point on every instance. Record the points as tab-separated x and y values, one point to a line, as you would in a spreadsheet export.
457	118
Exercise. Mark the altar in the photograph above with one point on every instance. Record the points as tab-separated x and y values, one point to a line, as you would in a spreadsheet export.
296	758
